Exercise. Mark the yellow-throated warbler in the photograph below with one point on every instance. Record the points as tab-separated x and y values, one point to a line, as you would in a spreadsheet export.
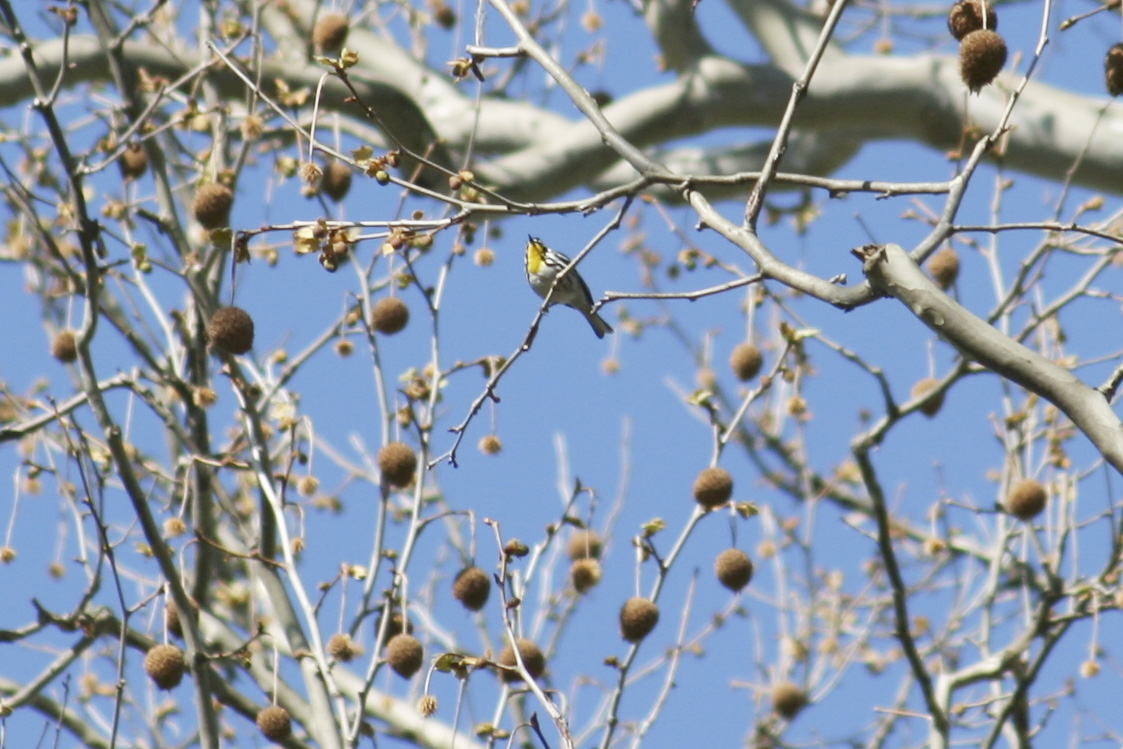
542	267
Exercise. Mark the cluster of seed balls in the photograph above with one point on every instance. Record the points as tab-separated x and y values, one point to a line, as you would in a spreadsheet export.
982	52
232	330
328	35
472	586
713	488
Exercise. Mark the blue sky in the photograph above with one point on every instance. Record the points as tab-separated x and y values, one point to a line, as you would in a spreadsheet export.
558	393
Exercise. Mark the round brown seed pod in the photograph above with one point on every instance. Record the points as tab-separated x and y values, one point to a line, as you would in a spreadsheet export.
330	32
133	161
472	588
982	54
212	205
582	544
490	444
638	617
1026	499
405	655
944	267
231	330
174	527
171	619
427	705
788	699
966	16
713	487
1113	69
532	658
444	15
585	574
275	723
932	406
394	627
746	361
397	461
734	569
165	665
65	346
343	648
391	315
336	182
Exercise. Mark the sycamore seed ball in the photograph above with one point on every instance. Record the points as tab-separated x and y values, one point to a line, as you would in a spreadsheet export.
585	574
490	444
444	15
1026	499
637	618
584	543
1113	69
397	461
390	315
171	619
532	658
930	407
944	267
275	723
165	665
713	487
174	527
982	54
330	32
472	588
967	16
788	699
734	569
336	182
307	485
405	655
394	627
231	330
427	705
746	361
204	397
65	346
133	161
212	205
342	647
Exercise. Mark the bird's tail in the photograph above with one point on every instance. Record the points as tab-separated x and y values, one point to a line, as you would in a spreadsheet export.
600	327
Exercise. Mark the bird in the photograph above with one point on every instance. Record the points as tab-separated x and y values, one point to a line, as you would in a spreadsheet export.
543	265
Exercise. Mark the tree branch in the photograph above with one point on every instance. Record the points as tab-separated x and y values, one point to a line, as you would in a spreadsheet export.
891	272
